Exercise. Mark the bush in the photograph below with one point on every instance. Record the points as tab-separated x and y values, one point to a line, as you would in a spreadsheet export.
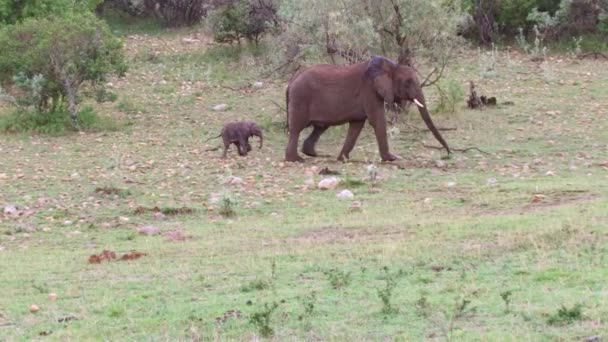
45	61
243	19
12	11
54	123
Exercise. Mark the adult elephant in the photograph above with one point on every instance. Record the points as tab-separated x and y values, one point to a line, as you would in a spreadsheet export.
328	95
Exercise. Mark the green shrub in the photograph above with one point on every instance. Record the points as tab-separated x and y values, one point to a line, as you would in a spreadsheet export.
12	11
54	123
47	60
243	19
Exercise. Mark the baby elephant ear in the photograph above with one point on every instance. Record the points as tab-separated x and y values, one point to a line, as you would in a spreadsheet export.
380	71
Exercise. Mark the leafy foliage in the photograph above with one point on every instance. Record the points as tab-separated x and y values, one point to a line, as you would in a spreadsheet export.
354	30
566	315
12	11
47	60
243	19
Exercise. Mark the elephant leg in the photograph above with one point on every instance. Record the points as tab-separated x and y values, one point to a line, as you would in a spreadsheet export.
291	153
354	129
226	146
309	144
242	146
378	122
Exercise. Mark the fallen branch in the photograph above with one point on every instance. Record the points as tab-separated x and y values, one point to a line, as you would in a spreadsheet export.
457	149
594	54
242	89
428	130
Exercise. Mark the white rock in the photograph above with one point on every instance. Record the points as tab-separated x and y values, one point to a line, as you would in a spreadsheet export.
258	84
75	175
220	108
10	210
492	181
67	223
189	40
329	183
346	194
148	230
550	173
440	164
235	180
450	184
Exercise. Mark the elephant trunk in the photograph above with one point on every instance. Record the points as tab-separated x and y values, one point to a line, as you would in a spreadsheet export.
421	103
261	136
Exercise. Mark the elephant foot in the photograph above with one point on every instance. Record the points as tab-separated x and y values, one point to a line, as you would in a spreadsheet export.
310	153
343	157
297	159
389	157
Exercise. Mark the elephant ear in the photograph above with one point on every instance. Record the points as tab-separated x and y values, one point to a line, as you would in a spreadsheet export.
380	71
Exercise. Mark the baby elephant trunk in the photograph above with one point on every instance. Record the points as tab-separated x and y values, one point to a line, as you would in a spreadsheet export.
261	136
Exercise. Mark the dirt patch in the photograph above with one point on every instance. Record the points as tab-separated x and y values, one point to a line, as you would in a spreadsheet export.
330	235
110	190
558	199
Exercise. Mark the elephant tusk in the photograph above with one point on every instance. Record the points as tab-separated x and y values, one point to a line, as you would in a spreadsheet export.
418	103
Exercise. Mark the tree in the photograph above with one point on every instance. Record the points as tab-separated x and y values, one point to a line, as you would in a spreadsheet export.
356	29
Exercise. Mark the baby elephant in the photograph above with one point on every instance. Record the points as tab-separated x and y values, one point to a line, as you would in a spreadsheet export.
238	133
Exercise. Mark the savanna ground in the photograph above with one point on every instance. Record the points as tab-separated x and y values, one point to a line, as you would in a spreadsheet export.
511	245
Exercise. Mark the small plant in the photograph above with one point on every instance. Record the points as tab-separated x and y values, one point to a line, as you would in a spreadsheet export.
451	94
506	298
386	293
337	278
261	319
461	310
227	205
422	305
566	315
488	62
255	285
371	173
521	40
348	182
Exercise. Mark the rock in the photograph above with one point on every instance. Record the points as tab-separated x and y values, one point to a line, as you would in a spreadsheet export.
10	210
110	85
148	230
440	164
52	297
450	184
550	173
538	198
258	84
189	40
220	108
235	180
346	194
75	176
492	181
356	206
329	183
67	223
34	308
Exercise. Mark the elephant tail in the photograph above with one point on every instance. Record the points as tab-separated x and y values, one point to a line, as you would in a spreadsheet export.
287	109
213	137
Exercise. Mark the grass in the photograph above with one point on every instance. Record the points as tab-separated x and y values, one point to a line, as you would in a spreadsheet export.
434	253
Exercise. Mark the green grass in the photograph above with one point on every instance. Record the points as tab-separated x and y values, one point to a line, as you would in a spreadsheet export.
461	252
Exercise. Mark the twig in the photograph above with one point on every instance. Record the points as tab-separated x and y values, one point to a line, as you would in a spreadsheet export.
456	149
280	107
428	130
596	54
